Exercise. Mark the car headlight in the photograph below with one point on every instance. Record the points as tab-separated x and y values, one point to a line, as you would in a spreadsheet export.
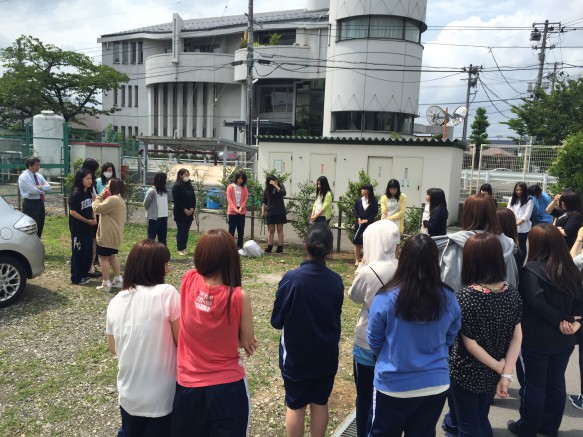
26	224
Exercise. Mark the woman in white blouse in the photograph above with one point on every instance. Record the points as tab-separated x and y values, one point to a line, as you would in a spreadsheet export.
521	204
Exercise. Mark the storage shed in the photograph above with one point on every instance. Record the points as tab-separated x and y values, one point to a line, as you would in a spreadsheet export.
418	164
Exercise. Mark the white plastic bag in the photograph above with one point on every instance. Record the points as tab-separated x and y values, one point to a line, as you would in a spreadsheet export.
251	249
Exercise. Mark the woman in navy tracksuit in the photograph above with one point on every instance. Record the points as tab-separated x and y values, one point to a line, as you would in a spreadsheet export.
307	309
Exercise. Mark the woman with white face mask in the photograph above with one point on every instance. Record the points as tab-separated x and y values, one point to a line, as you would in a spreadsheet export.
184	204
107	172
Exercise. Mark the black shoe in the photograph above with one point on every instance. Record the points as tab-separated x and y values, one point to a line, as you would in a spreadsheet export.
94	274
279	249
512	426
268	249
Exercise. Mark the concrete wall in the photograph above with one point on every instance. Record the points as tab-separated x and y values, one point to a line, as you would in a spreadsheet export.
417	166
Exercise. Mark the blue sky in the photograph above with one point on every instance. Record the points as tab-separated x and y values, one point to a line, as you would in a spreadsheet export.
459	34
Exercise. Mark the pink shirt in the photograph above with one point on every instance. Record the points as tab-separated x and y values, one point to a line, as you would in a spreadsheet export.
232	203
208	345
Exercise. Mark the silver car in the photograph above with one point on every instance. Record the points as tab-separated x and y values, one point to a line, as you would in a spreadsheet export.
22	255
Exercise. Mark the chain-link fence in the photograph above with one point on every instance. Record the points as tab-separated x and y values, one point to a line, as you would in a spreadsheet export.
503	166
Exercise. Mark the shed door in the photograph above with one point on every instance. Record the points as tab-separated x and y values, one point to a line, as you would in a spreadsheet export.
323	165
281	162
409	173
380	171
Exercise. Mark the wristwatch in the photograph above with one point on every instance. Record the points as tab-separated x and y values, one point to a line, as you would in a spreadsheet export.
508	376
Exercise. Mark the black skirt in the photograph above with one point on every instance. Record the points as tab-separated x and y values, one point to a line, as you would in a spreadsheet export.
277	219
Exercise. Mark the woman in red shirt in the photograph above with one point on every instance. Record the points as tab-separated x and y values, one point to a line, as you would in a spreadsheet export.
215	321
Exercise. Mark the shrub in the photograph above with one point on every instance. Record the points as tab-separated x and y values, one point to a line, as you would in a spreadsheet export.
568	166
300	206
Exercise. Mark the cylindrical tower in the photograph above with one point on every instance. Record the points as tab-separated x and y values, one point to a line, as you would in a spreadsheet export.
48	140
373	67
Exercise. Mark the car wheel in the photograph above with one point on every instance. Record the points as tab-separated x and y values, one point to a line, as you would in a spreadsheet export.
12	280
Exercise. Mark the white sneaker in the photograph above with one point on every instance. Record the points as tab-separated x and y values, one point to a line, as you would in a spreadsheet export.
117	283
105	287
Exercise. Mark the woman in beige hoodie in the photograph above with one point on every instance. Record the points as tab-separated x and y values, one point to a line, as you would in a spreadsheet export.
111	207
380	241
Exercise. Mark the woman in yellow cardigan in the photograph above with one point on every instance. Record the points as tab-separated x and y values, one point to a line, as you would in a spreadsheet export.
322	209
394	204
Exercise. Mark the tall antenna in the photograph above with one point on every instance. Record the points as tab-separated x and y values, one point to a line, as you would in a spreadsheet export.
249	133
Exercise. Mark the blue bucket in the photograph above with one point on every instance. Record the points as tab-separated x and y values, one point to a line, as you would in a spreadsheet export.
213	197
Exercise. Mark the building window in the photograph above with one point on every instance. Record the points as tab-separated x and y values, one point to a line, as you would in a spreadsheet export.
115	91
287	37
115	128
125	52
129	131
276	99
373	121
123	131
140	52
116	53
135	130
136	96
130	97
133	53
379	27
123	95
155	95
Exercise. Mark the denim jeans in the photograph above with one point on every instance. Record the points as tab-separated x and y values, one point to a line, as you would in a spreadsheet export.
472	411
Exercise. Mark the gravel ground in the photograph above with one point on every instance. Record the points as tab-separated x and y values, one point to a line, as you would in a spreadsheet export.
57	378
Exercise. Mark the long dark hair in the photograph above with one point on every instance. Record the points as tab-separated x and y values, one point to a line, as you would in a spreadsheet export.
179	180
370	189
160	182
217	253
418	278
507	221
483	260
480	214
105	167
437	199
268	188
547	245
324	187
393	183
523	197
92	165
486	188
146	264
78	181
242	175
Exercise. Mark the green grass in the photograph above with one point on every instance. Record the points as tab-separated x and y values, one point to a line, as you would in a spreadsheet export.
73	392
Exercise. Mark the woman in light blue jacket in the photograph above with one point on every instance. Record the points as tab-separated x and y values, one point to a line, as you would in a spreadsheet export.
412	323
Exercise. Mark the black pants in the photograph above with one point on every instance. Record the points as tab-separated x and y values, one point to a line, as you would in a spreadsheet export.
522	237
237	221
35	208
158	228
363	378
182	228
81	257
221	410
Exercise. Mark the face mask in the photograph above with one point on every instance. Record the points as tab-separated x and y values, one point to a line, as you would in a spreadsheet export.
186	178
108	174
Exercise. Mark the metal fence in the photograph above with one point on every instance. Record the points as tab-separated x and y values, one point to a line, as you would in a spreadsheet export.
503	166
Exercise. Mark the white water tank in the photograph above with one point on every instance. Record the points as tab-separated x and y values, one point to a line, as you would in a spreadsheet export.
47	129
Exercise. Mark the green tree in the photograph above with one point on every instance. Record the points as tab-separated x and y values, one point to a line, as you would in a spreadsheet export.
300	207
41	76
479	134
568	167
552	117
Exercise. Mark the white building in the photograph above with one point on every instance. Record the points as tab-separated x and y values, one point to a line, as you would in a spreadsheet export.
341	69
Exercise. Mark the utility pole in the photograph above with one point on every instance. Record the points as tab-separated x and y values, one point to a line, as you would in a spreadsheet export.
249	133
535	35
472	83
